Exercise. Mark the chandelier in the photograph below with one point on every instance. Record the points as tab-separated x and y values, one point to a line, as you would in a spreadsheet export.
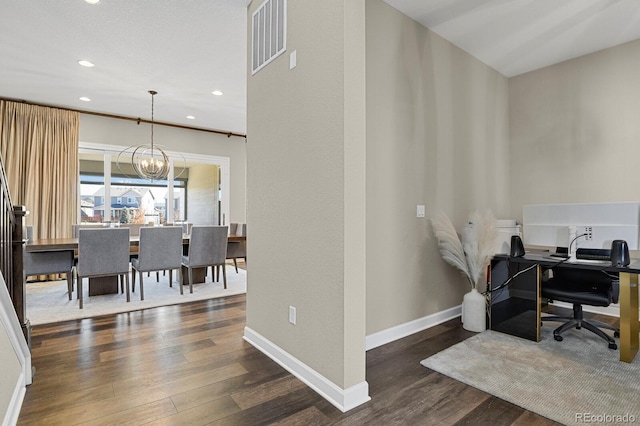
149	161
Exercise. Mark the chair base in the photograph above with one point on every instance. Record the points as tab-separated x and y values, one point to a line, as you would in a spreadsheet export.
578	321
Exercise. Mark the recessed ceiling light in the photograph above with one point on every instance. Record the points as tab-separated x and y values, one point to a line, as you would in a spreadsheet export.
85	63
84	99
217	93
191	117
92	1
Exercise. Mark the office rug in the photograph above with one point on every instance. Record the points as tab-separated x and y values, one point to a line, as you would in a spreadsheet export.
576	381
47	302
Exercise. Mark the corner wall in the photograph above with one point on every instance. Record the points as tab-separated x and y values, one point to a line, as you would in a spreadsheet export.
437	135
575	130
305	126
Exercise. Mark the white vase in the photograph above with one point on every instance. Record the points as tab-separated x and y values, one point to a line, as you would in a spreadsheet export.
474	311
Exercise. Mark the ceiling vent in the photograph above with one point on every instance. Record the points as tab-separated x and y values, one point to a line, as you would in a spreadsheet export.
269	37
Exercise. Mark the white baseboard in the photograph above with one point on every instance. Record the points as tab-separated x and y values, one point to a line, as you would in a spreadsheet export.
13	411
343	399
10	326
403	330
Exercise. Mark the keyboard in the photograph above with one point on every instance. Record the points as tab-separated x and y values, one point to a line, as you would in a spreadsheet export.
593	254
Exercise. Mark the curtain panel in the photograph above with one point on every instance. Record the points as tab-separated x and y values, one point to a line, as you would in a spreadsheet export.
39	146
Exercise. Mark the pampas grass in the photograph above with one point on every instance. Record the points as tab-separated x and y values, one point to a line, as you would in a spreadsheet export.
471	255
449	243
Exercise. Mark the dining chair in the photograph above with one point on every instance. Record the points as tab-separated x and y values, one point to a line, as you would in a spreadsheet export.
103	252
207	247
57	262
237	249
160	248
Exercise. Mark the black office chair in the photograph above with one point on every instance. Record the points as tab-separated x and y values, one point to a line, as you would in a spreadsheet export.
582	287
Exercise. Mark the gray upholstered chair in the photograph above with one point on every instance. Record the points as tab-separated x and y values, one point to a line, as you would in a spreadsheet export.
103	252
160	249
57	262
207	247
237	249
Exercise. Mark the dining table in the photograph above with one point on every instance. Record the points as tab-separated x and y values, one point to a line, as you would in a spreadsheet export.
42	250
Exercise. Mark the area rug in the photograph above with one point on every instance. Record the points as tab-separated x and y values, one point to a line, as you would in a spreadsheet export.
47	302
576	381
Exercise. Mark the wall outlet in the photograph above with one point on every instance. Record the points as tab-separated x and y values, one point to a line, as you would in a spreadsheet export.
420	211
292	315
587	231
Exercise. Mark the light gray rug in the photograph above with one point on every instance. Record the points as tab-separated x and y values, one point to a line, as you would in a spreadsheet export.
576	381
47	302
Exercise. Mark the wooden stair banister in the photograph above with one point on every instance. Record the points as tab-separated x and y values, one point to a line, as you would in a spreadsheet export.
12	226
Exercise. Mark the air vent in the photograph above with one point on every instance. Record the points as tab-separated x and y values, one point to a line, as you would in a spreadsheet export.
269	38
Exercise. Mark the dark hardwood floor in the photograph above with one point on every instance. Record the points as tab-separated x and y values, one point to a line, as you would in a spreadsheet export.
188	364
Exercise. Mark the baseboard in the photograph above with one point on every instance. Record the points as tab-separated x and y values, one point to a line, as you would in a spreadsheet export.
10	326
343	399
403	330
15	405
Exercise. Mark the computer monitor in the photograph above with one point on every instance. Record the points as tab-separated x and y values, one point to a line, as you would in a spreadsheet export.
596	225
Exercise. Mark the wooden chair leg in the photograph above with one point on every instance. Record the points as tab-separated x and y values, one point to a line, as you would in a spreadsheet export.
80	291
224	275
235	263
141	288
70	284
190	279
128	293
157	276
180	280
133	278
170	277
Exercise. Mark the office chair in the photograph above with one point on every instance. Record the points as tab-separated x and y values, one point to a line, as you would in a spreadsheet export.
582	287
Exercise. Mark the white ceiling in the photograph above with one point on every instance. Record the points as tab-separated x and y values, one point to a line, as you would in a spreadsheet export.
182	49
517	36
186	49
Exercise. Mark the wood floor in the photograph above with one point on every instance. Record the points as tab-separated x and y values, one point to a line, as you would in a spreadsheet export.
188	365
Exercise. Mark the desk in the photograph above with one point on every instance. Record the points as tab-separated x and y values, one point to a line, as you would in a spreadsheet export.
516	309
101	285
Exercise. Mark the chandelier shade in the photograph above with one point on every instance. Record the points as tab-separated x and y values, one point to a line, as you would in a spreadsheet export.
149	161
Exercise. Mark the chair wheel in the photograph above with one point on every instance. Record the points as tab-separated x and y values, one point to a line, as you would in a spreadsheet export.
616	334
613	346
558	338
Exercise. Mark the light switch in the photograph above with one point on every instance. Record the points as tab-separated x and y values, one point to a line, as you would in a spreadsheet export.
420	211
292	60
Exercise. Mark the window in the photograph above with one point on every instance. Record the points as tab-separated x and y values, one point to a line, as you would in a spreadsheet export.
191	197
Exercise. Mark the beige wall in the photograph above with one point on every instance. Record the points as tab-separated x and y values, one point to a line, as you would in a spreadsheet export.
437	134
299	211
10	371
203	193
575	130
101	130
